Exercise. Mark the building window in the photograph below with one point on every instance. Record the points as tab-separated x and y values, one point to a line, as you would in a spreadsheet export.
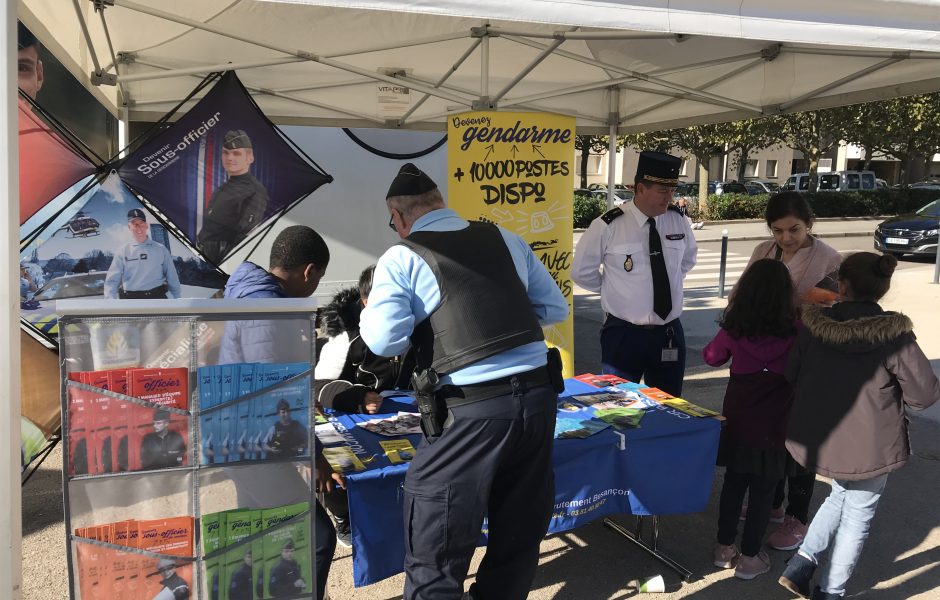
682	169
825	165
770	171
594	164
750	168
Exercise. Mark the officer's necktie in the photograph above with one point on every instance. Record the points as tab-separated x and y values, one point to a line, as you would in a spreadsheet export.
662	295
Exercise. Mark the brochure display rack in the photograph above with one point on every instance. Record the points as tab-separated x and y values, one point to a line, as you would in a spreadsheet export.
188	445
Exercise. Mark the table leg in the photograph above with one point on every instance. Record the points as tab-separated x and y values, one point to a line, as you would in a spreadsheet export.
637	538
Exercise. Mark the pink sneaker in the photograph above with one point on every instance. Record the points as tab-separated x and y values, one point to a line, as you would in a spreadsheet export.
750	567
726	557
788	536
776	514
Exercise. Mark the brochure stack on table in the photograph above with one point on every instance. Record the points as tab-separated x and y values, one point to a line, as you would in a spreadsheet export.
185	476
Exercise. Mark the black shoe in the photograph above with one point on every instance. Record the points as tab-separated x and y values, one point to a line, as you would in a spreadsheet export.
798	575
818	594
344	539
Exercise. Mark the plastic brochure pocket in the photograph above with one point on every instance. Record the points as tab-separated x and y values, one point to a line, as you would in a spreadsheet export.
110	433
106	572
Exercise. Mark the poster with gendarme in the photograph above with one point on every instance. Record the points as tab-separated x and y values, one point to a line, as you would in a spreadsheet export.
515	169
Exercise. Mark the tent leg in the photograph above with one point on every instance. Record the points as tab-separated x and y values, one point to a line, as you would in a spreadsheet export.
637	538
37	462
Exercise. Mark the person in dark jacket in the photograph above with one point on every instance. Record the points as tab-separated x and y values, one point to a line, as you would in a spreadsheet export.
286	579
299	258
854	368
173	584
241	587
345	355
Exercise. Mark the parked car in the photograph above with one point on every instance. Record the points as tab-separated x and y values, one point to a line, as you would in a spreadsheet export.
690	190
732	187
926	185
759	186
914	233
41	310
838	181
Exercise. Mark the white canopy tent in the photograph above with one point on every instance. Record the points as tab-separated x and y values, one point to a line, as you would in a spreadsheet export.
617	65
629	64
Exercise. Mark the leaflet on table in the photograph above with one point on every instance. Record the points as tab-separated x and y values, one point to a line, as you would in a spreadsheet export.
327	434
404	423
599	381
112	573
243	571
398	451
342	459
621	417
679	404
108	434
566	427
250	425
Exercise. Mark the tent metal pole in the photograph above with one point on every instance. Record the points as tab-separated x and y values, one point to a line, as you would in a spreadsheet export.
652	79
277	94
485	69
11	529
528	69
613	119
708	84
447	37
87	35
908	54
289	51
204	69
441	81
832	85
587	35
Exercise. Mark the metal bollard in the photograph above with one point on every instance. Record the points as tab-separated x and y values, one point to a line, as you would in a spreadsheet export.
724	263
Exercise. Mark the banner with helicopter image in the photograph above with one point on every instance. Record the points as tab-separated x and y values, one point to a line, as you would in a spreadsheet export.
107	244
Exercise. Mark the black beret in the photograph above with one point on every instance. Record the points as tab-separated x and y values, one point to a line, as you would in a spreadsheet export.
658	167
136	213
289	545
236	138
161	415
410	181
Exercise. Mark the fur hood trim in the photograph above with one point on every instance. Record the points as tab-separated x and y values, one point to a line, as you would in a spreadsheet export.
873	330
342	314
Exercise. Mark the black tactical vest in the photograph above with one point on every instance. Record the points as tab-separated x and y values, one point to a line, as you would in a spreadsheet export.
484	307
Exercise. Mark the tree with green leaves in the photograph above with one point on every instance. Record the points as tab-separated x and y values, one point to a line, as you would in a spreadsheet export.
749	136
591	144
814	133
703	142
910	132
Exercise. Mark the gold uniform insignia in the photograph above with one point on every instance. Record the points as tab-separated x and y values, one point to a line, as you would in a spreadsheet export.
628	264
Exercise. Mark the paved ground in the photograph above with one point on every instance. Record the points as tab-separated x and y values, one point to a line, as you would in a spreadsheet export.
901	560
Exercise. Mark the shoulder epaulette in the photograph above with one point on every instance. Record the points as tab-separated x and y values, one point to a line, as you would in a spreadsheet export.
675	208
611	214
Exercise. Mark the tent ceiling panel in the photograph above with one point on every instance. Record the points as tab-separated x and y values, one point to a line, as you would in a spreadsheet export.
322	62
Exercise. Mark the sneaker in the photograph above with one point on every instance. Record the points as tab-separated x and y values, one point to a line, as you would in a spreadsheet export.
776	514
750	567
788	536
798	575
344	539
726	557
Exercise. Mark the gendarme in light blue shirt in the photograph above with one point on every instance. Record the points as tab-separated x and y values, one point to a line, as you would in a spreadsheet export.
405	292
141	267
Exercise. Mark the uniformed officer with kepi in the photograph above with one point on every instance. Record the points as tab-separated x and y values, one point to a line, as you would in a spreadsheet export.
143	268
238	205
646	248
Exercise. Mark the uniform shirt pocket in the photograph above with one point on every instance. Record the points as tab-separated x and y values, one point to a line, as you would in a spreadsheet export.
673	249
626	258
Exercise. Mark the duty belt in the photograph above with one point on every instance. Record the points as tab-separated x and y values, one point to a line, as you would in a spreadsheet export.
458	395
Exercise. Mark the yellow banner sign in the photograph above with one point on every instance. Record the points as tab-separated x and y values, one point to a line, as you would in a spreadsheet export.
514	169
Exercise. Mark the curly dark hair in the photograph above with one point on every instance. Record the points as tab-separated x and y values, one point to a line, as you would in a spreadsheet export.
297	246
763	303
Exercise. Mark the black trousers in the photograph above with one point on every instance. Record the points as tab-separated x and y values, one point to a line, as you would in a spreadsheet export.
493	460
799	496
633	352
759	503
325	546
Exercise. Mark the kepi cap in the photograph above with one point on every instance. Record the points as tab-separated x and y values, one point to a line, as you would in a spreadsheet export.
165	563
236	138
658	167
288	545
136	213
410	181
161	415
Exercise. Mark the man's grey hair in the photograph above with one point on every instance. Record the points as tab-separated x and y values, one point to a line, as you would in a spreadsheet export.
412	207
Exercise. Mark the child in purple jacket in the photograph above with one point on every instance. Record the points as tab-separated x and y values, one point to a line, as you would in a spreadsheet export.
757	330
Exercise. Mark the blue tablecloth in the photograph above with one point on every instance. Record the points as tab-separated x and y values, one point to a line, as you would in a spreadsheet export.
664	467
